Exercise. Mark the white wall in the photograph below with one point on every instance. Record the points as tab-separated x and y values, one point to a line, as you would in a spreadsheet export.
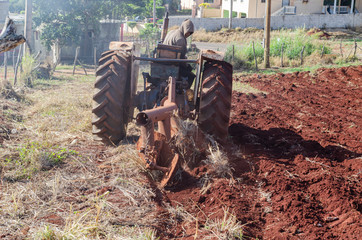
238	6
277	22
4	11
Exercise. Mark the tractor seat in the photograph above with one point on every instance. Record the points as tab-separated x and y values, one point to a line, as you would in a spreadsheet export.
167	51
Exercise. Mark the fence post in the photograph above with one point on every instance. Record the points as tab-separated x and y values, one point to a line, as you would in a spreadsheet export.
232	58
20	53
355	48
322	54
256	62
76	58
301	56
14	59
281	61
5	64
95	58
340	47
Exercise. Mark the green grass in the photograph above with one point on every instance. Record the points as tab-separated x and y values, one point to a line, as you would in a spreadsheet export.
34	156
292	44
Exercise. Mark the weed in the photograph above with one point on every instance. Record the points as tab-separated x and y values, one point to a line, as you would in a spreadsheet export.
226	228
28	75
35	156
48	233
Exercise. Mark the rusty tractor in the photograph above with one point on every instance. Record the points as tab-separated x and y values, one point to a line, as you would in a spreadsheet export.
165	91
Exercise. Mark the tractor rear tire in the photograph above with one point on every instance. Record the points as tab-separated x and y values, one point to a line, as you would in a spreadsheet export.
215	99
111	100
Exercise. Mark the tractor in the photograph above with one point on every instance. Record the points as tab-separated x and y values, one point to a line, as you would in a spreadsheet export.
165	91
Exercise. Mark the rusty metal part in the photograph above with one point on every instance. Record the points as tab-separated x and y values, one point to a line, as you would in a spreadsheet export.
211	55
167	60
164	27
153	146
126	46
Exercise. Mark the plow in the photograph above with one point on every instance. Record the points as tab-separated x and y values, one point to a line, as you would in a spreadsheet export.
206	99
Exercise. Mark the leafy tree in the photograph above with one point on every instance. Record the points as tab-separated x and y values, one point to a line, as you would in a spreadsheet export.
16	6
173	5
132	25
151	34
149	6
67	20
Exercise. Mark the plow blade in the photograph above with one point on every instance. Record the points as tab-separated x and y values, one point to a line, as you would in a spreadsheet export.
159	157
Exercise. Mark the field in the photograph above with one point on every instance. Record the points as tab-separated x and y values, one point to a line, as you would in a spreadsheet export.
294	163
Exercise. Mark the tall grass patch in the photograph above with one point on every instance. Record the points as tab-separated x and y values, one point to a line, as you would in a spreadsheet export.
291	44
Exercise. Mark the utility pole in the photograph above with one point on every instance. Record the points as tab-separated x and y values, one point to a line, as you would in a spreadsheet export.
267	34
154	12
231	14
28	25
352	6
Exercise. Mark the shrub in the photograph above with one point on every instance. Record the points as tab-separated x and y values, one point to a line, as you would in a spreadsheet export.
292	47
160	12
27	75
131	25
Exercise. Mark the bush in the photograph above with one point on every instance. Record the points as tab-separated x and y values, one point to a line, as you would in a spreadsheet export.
27	75
131	24
151	34
243	56
292	47
160	12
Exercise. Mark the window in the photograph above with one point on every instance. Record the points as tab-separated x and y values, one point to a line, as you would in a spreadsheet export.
208	1
263	1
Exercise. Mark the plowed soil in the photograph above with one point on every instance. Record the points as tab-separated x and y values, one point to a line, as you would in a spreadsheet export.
299	172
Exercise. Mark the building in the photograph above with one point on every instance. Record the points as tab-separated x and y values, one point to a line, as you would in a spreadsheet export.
256	8
4	10
188	4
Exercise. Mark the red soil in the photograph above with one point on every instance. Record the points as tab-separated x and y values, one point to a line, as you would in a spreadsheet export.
300	174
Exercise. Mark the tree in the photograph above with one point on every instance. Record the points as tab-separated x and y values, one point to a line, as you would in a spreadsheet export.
149	6
67	20
17	6
132	25
151	34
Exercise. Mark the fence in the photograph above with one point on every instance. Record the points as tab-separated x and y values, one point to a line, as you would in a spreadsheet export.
277	22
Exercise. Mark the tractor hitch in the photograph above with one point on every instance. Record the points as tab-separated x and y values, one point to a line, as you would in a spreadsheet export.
153	146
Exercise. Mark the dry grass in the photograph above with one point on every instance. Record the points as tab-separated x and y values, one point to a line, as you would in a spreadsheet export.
246	88
228	36
226	228
186	141
59	184
93	192
218	162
